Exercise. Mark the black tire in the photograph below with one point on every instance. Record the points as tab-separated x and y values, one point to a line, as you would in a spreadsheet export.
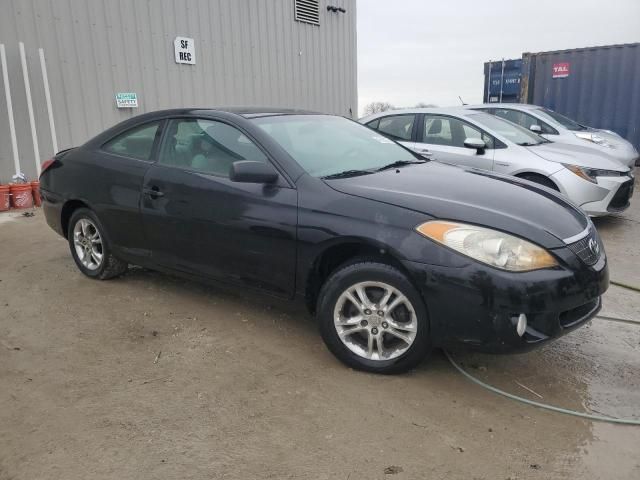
110	266
540	179
372	271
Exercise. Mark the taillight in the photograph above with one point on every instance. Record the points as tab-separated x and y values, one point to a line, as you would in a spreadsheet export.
46	164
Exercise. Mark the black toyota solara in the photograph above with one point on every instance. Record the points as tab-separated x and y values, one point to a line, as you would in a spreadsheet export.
394	254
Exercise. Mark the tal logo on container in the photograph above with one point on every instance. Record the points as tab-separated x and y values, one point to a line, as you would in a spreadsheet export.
561	70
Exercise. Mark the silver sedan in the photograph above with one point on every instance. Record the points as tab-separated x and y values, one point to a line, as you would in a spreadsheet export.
558	128
595	181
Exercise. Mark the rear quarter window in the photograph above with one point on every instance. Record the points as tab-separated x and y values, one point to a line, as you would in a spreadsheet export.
135	143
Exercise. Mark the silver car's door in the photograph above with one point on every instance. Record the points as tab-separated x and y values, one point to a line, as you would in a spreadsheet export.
444	137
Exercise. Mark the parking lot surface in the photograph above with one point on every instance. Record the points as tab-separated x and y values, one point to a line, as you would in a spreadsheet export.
149	376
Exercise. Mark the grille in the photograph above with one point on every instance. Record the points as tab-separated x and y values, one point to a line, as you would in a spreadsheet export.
621	199
584	248
307	11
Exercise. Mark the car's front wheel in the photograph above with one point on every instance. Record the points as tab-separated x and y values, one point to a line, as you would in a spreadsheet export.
372	318
90	248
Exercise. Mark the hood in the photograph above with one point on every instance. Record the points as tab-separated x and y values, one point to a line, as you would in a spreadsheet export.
617	141
577	155
473	196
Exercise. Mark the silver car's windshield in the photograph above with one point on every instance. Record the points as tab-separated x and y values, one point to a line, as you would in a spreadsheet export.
326	146
550	115
510	131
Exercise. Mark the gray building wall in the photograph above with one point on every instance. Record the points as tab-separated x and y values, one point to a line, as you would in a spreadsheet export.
248	52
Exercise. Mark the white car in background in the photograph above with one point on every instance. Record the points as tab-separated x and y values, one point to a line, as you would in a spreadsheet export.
558	128
597	182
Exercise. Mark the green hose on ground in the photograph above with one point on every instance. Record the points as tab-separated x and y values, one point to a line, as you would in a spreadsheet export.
600	418
625	285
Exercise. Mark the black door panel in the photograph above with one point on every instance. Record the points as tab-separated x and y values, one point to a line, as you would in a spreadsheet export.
209	225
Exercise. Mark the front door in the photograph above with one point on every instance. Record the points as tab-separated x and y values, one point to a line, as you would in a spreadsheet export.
197	220
444	136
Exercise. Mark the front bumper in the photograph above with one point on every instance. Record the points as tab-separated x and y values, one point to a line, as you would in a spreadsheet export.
477	306
609	195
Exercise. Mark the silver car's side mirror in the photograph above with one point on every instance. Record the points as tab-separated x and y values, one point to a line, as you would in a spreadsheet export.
536	129
477	144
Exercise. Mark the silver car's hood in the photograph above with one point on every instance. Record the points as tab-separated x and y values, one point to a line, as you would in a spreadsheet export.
577	155
617	141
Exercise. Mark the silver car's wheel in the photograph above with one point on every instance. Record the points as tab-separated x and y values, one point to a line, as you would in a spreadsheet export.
375	321
88	244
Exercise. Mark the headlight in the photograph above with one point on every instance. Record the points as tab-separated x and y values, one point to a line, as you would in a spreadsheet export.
488	246
594	138
591	174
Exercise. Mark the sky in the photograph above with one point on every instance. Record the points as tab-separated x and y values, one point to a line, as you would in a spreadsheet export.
433	51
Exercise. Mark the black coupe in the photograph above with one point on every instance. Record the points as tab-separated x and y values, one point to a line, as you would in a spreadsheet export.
393	253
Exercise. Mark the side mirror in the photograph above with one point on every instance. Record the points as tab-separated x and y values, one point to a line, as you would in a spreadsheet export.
536	129
249	171
477	144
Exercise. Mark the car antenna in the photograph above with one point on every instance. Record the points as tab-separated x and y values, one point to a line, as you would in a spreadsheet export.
461	101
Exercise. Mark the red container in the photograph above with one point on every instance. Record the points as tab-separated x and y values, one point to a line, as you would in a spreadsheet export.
4	198
21	195
35	190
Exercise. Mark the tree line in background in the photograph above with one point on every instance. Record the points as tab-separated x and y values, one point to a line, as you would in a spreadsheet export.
377	107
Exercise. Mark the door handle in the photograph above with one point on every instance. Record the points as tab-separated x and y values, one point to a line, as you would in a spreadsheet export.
153	192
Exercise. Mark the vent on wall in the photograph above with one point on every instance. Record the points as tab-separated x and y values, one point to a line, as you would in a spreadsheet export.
307	11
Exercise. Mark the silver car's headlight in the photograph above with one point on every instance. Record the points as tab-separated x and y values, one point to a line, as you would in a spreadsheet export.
594	138
485	245
592	174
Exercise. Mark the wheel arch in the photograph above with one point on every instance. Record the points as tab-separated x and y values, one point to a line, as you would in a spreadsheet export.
532	173
335	254
68	208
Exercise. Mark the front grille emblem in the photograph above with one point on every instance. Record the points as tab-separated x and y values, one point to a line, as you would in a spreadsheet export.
594	247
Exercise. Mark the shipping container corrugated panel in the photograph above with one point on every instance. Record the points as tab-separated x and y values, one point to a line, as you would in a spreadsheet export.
504	83
598	86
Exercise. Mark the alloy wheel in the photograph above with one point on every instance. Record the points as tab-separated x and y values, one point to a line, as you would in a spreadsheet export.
88	244
375	320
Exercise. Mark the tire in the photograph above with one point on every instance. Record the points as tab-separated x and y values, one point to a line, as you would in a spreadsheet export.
540	180
101	264
356	343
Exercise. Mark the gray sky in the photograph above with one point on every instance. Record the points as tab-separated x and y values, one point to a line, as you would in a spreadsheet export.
431	51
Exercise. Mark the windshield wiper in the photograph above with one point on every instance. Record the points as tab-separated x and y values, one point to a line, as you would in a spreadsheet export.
347	173
400	163
528	144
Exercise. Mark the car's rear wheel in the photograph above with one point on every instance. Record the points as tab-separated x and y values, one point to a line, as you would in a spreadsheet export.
90	248
372	318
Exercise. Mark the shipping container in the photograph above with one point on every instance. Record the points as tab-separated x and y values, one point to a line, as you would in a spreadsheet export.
596	86
502	81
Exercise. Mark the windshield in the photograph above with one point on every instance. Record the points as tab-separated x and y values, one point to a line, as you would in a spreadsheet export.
510	131
567	123
325	145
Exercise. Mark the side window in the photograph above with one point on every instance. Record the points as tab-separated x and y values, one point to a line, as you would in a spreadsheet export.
398	127
134	143
472	132
452	132
529	120
207	146
374	124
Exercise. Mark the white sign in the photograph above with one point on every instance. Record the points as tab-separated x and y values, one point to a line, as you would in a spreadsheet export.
185	50
127	100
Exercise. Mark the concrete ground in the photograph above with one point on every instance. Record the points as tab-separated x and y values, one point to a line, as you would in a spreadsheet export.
148	376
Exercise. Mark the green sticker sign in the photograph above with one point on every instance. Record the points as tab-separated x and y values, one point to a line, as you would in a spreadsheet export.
127	100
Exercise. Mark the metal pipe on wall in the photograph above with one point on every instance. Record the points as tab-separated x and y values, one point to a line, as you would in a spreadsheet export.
47	95
7	92
32	121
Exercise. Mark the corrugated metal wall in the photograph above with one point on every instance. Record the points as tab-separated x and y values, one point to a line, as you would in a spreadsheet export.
248	52
602	88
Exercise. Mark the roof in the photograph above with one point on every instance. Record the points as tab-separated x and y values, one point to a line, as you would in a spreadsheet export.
519	106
